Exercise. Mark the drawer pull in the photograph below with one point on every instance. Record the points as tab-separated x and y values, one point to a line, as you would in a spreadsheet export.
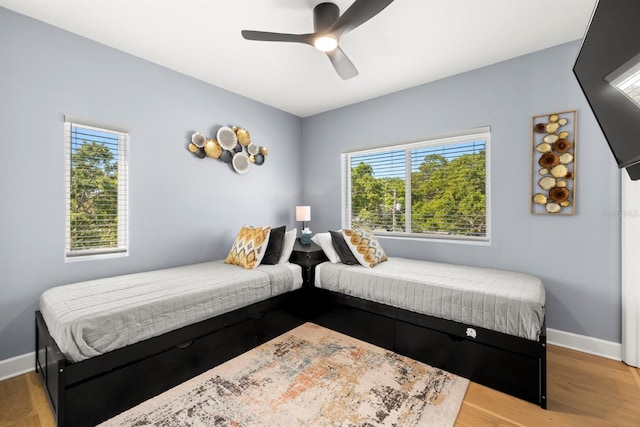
185	344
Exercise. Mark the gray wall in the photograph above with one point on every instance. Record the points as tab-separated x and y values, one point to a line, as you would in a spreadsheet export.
577	257
187	210
182	209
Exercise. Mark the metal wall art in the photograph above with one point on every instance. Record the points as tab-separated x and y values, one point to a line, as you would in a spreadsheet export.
232	145
553	165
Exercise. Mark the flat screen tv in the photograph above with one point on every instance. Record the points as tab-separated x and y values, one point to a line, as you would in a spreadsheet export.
608	70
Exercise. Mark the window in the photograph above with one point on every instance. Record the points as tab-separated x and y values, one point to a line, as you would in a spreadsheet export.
96	191
437	188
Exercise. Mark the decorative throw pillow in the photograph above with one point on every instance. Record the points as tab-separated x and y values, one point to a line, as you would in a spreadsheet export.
324	241
287	246
274	248
364	246
249	248
342	249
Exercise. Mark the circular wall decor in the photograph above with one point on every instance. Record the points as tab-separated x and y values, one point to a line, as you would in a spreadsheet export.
227	138
232	145
198	139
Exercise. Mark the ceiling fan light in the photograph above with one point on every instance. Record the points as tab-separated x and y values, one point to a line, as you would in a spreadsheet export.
326	43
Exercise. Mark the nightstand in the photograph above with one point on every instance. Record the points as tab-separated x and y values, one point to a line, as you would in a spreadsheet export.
307	257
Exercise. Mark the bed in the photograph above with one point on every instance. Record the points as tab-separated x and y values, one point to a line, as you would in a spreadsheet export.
485	324
105	345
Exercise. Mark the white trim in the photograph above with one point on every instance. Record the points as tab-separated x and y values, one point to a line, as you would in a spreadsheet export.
630	217
122	214
18	365
451	138
585	344
94	124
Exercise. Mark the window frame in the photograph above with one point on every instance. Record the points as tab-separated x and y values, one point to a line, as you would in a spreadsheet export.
123	136
483	133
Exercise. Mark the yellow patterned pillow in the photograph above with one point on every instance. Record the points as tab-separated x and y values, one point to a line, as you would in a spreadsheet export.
249	248
364	246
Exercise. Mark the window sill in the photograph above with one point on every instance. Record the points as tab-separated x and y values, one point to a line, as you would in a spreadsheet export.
485	241
96	256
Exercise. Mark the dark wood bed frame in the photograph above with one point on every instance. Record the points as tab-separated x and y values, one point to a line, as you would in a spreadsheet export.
516	366
93	390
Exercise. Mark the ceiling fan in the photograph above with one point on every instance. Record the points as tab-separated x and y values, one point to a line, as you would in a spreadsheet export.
328	27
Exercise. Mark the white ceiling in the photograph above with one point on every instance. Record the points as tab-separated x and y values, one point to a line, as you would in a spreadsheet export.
409	43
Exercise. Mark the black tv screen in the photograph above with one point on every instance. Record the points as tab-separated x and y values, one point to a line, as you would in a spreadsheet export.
612	45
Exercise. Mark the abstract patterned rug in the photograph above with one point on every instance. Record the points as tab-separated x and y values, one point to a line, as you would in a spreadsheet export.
310	376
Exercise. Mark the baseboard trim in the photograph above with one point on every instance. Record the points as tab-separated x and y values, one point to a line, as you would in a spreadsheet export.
585	344
18	365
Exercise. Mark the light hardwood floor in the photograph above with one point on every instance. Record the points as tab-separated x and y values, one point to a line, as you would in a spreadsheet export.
583	390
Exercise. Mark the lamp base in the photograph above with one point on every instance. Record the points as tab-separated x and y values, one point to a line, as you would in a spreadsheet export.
305	238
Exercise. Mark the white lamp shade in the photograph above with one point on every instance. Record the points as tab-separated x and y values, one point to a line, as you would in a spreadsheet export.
303	213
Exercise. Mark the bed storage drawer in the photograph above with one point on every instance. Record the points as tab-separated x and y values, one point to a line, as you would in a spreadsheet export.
275	323
109	394
507	363
354	317
370	327
511	372
87	392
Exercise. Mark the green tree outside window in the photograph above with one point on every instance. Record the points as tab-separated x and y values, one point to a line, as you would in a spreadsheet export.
447	194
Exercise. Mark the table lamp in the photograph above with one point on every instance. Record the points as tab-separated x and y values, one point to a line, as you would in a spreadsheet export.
303	213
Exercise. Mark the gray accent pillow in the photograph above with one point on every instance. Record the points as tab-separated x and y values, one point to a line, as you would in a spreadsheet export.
341	247
274	247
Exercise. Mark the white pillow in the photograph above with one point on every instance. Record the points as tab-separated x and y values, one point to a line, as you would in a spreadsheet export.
324	241
287	245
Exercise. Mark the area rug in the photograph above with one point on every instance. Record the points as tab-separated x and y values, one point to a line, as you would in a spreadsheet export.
309	376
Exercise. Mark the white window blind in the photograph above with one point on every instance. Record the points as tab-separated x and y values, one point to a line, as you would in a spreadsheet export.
435	188
96	191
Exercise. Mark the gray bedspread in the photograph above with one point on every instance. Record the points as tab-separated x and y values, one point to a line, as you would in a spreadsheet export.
503	301
90	318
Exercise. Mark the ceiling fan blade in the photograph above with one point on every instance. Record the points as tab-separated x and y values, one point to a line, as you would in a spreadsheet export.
343	65
357	14
277	37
